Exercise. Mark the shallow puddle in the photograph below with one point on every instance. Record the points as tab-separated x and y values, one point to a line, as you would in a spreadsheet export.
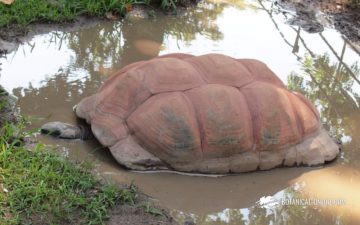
54	71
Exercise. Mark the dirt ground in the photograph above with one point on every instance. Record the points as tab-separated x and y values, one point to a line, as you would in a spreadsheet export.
127	215
131	215
314	15
13	36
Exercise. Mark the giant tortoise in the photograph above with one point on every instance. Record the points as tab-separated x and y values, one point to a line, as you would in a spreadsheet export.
204	114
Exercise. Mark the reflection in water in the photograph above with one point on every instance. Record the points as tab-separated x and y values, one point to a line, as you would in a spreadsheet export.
110	46
96	49
227	216
322	66
147	47
199	21
338	203
105	48
331	87
238	4
334	88
334	183
57	89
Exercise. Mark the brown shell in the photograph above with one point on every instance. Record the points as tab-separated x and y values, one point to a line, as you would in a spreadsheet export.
183	108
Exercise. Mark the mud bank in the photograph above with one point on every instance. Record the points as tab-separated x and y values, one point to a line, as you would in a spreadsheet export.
145	212
14	35
313	16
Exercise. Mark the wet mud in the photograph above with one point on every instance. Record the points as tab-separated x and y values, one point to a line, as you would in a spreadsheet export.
312	16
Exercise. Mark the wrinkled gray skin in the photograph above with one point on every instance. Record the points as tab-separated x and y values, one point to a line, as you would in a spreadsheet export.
67	131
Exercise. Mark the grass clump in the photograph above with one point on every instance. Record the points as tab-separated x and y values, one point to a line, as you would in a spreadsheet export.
7	112
24	12
40	187
3	100
151	209
168	4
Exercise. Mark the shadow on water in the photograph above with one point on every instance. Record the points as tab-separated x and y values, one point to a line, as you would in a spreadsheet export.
323	66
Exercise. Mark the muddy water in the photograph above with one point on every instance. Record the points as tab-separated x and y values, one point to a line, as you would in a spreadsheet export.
52	72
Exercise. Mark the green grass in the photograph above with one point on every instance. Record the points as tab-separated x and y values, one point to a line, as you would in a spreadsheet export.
40	187
24	12
3	102
151	209
168	4
4	105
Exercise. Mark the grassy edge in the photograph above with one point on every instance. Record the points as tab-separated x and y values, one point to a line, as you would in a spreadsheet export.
23	13
41	186
38	186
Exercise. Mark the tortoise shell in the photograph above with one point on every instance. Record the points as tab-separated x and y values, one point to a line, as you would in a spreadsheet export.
209	114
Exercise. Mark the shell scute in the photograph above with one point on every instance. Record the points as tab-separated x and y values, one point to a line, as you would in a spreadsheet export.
273	118
170	74
224	120
220	69
166	126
